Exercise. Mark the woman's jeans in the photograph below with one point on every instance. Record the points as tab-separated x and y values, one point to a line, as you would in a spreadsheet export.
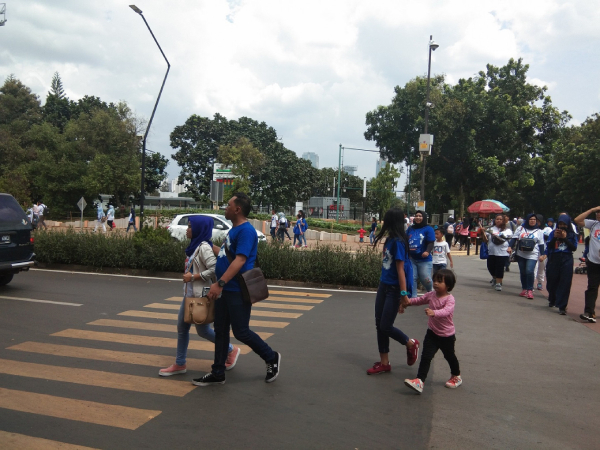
387	303
560	276
372	237
297	237
526	267
303	238
183	336
422	272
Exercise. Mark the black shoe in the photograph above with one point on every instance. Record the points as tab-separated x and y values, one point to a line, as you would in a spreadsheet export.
208	380
588	317
562	312
273	369
507	269
551	305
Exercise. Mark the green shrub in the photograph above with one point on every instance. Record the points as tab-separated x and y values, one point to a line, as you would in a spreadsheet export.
155	250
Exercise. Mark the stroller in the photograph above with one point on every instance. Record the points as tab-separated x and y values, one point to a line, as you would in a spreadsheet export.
582	267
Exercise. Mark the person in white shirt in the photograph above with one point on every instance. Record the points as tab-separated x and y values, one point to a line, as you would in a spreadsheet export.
41	209
110	217
274	220
592	262
540	268
441	252
530	251
497	238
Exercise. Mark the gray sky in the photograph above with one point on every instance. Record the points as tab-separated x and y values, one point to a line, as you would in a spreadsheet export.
310	69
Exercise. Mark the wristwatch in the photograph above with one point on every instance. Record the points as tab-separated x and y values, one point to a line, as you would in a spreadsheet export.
403	293
221	283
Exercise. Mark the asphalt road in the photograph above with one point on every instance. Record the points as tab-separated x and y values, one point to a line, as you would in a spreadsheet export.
87	375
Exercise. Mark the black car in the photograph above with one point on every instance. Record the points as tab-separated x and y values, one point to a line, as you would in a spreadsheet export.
16	242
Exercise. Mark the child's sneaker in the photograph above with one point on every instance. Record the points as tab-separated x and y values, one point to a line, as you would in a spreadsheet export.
415	384
379	368
498	287
523	293
529	295
412	354
454	382
173	369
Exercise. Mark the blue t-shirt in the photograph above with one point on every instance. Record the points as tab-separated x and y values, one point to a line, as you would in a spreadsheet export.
241	240
304	225
373	227
418	238
395	250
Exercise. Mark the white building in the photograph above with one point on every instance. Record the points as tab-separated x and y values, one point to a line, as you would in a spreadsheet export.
380	164
312	157
179	188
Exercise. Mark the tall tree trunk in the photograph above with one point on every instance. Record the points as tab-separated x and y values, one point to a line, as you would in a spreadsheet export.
461	201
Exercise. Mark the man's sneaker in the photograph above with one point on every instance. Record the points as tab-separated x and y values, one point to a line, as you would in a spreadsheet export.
492	281
529	295
539	286
172	370
273	369
498	287
208	380
415	384
412	354
523	293
454	382
379	368
562	312
588	317
232	358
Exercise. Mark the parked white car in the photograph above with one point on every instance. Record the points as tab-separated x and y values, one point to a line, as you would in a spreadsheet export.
221	227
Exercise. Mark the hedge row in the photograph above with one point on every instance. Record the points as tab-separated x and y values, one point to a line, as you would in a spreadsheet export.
155	250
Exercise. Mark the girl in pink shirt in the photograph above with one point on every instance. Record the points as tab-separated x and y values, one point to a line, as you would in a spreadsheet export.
440	334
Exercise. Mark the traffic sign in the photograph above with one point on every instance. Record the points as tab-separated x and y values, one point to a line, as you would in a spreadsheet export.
82	204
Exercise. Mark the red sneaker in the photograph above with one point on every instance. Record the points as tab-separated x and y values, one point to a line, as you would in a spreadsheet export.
415	384
172	370
523	293
529	295
232	358
412	354
454	382
379	368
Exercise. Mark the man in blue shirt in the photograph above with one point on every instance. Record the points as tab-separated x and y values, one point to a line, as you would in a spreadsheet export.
230	308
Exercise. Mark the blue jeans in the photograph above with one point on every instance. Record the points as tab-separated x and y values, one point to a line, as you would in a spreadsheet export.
372	237
273	232
298	237
183	336
437	267
232	310
387	303
422	271
526	268
303	238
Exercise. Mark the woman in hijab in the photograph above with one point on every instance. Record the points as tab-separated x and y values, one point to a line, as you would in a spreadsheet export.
199	274
420	244
562	242
530	240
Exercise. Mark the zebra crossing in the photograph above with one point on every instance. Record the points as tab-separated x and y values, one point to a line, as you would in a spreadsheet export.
120	339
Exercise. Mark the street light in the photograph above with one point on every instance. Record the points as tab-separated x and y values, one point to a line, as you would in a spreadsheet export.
432	47
143	193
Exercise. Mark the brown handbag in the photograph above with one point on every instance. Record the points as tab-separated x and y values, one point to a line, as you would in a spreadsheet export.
252	282
198	311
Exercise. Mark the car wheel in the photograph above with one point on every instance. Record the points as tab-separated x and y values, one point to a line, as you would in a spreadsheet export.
5	279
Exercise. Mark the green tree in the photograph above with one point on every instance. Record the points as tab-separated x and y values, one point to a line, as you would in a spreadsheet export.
156	165
245	161
57	109
381	190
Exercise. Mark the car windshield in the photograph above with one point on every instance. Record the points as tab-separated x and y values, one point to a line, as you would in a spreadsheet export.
10	211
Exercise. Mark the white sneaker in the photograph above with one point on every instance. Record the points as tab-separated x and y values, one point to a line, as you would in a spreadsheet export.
498	287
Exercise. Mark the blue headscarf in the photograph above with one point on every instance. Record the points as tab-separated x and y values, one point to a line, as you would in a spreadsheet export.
526	225
567	221
201	231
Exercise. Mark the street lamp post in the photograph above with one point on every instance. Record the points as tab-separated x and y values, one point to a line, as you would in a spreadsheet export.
143	193
432	47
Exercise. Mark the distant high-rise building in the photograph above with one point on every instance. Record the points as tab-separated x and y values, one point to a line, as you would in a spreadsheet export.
179	188
350	170
312	157
381	163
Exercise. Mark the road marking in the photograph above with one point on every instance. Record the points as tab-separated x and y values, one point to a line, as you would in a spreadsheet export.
148	315
150	326
295	300
96	378
275	314
179	279
79	410
33	300
134	339
167	316
300	294
15	441
162	306
141	359
266	304
174	299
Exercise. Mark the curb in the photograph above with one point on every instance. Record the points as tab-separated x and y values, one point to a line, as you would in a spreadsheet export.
177	275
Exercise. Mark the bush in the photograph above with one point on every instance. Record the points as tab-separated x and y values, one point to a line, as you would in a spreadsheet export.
154	250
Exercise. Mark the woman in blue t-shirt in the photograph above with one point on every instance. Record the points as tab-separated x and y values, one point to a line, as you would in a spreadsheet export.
420	244
395	284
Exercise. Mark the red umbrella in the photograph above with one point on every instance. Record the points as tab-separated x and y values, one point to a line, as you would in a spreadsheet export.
484	207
